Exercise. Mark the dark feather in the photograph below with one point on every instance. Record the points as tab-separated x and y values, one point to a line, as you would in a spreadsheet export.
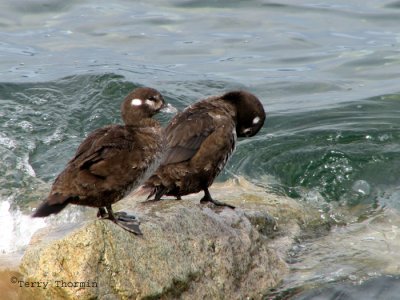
53	205
185	135
112	160
201	139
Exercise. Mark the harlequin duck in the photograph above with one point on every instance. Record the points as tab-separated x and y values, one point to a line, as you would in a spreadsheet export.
200	141
112	161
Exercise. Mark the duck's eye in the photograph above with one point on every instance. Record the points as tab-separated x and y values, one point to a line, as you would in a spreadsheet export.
152	98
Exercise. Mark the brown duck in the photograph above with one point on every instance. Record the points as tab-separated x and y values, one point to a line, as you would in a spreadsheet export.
112	161
200	141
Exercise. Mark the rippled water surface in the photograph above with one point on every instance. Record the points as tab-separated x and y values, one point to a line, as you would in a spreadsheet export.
328	74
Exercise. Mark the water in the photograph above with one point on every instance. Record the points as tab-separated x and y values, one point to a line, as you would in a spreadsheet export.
326	71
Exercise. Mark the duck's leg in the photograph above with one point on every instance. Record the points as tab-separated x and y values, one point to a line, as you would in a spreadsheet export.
157	192
207	198
102	213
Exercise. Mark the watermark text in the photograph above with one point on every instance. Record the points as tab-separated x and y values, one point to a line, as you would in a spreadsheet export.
53	283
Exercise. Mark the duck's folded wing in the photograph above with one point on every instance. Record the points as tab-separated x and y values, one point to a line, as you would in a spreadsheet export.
106	154
185	134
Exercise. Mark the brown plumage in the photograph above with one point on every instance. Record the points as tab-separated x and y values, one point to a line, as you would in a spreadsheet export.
112	160
200	140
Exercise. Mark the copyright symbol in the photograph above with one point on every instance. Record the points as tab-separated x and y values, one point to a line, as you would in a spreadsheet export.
14	279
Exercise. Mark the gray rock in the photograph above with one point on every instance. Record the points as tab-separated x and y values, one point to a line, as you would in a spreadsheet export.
187	251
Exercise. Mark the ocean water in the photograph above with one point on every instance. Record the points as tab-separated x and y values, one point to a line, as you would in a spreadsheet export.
327	72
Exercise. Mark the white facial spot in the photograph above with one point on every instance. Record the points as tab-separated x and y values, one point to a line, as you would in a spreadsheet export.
256	120
247	130
136	102
150	103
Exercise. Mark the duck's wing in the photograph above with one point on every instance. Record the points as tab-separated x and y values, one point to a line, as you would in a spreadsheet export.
185	135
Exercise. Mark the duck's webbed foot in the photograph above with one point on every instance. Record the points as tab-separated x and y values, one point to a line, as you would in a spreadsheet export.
122	219
207	198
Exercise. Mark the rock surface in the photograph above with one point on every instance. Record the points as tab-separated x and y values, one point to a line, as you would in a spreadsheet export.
187	251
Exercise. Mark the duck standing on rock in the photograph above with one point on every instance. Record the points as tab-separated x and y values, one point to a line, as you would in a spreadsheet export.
200	141
112	161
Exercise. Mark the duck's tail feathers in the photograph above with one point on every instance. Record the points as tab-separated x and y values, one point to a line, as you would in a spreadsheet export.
52	205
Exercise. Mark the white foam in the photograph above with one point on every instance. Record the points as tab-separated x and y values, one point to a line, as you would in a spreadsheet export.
7	142
24	165
16	227
56	136
169	109
26	126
